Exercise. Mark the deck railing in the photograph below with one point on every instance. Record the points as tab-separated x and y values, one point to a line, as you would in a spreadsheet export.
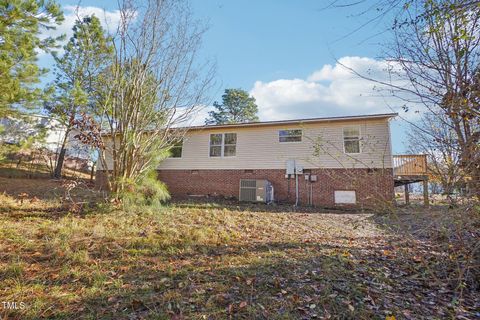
410	164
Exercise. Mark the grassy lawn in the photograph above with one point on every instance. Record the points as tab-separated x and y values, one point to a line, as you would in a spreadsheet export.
211	261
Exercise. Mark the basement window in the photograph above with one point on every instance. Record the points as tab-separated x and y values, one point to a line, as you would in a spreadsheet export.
223	145
290	135
345	197
351	140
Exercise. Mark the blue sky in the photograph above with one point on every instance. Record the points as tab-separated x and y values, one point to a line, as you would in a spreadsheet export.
267	40
284	53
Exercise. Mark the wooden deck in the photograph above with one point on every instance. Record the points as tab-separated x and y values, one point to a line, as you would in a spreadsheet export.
408	169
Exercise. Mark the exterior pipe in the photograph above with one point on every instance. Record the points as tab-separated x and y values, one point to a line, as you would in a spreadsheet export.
296	188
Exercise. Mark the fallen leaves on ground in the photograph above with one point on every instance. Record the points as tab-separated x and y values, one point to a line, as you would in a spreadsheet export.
203	261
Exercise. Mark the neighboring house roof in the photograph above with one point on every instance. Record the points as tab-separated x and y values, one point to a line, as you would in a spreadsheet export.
294	121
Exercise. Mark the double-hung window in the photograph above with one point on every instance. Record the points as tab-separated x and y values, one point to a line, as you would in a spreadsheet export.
229	144
290	135
223	144
351	139
176	149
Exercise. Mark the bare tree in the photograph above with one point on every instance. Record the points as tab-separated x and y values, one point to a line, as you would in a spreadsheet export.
383	10
433	137
434	62
439	55
153	85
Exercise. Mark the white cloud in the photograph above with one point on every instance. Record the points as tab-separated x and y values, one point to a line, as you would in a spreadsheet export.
330	91
196	118
109	20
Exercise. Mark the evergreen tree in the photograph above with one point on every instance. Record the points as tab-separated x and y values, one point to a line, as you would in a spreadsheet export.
77	72
21	22
237	107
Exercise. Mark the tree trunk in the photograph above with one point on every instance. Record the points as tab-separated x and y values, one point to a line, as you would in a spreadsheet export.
57	173
92	171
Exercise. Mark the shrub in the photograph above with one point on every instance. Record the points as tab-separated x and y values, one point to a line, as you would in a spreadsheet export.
147	191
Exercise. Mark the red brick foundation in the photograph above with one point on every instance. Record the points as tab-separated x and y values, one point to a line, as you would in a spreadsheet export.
373	187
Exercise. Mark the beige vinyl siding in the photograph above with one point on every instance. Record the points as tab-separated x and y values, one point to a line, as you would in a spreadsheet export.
259	147
108	156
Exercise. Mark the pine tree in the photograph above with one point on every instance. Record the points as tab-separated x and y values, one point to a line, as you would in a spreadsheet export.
237	107
21	22
77	72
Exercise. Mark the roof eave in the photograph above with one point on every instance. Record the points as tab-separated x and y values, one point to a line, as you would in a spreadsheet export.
286	122
296	121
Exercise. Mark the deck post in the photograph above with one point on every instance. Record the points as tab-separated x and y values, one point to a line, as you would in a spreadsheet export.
408	169
425	193
407	194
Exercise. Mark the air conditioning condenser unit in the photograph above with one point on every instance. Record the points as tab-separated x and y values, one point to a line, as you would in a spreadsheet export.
252	190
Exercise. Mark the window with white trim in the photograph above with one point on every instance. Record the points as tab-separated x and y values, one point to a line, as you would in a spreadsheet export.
216	141
176	149
223	144
294	135
351	140
229	144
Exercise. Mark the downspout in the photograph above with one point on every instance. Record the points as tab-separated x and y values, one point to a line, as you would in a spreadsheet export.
311	193
296	187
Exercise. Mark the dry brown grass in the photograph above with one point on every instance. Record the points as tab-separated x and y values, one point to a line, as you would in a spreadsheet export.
208	261
46	189
36	171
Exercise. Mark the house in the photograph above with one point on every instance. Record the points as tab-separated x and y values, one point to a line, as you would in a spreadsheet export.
52	132
321	161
